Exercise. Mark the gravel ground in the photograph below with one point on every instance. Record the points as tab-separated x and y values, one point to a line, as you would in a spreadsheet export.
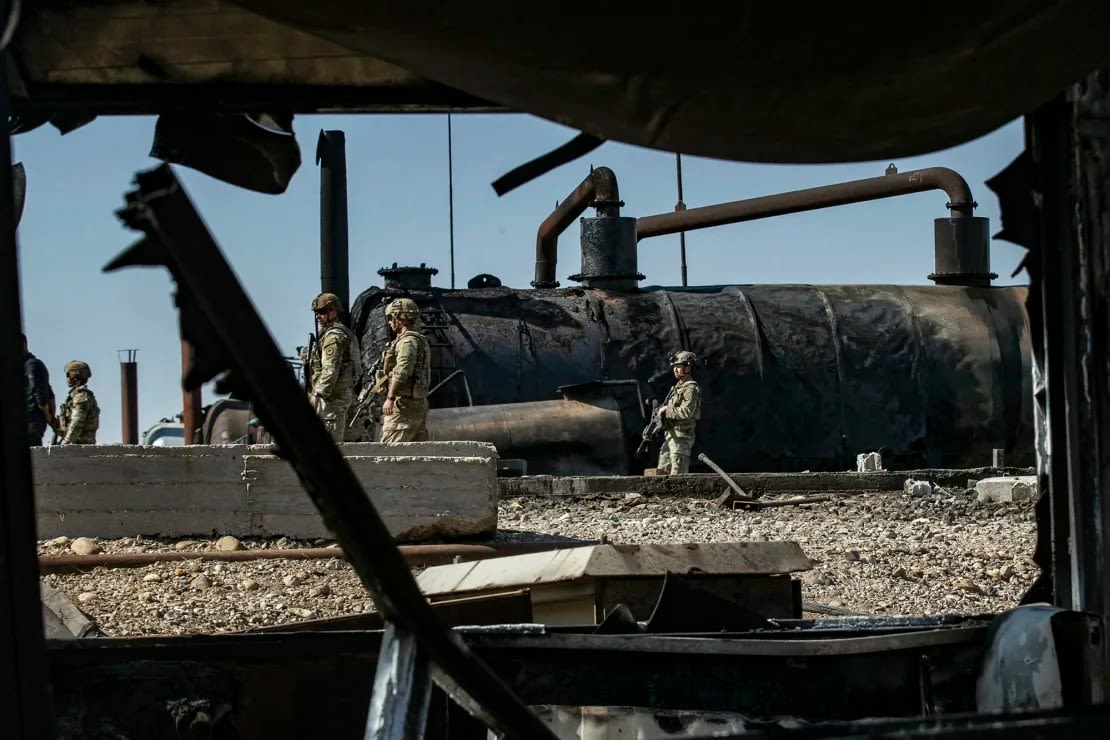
872	553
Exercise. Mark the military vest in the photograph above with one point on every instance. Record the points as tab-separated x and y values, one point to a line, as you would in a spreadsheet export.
80	416
337	355
412	347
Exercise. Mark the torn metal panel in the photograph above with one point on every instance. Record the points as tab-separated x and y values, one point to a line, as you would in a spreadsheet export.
140	57
768	84
281	685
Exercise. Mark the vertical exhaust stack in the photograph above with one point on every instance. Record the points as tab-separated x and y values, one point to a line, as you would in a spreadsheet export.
129	394
331	155
191	410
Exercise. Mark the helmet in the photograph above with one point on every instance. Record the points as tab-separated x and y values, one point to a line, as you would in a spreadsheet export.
326	301
683	357
81	369
403	308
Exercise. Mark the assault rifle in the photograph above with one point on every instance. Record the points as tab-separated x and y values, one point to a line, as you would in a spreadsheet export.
380	372
306	362
652	430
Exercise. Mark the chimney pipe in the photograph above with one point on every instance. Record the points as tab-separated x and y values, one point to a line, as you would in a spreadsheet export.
331	155
129	394
599	190
190	411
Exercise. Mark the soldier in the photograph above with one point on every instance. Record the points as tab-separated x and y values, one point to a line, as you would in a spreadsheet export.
405	411
680	414
336	364
80	417
39	396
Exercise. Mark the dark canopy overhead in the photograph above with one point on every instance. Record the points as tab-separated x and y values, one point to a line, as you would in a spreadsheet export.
774	82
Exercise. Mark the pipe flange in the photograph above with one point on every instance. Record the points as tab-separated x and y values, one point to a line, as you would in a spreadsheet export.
968	205
544	284
598	204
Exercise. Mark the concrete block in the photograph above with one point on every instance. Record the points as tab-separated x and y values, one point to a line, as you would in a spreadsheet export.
417	496
421	489
869	462
918	487
1007	489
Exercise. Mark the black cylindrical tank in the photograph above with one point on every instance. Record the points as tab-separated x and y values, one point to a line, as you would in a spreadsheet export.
793	377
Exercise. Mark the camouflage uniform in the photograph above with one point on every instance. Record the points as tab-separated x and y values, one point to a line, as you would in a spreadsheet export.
680	421
412	373
80	415
335	362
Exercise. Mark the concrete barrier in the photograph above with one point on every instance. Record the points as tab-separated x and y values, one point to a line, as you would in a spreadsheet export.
421	490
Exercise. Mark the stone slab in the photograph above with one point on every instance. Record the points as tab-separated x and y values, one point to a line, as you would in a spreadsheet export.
417	496
1008	489
421	490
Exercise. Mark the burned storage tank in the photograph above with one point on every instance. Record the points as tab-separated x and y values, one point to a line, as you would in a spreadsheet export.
793	377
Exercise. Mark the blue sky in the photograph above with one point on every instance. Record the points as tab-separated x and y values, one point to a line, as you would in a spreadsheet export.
397	181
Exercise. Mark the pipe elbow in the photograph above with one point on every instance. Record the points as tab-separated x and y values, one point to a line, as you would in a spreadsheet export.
960	200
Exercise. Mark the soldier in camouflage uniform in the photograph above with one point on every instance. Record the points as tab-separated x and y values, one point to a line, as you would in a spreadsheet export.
680	414
336	364
405	411
80	416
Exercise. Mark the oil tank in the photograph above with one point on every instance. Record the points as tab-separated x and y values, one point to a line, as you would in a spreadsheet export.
794	377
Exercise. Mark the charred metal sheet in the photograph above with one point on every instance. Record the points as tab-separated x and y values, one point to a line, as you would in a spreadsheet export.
1035	660
281	685
231	341
402	688
794	377
698	83
139	57
510	607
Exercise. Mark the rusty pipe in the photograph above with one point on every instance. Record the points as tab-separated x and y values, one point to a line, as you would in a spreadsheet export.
191	411
413	554
599	190
129	393
960	202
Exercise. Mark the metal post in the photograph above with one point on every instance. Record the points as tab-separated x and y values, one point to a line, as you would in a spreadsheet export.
680	206
129	392
331	155
402	688
25	704
191	407
451	196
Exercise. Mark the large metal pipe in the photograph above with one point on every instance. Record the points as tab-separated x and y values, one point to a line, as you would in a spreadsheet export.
960	202
599	190
191	406
129	394
413	554
331	155
561	437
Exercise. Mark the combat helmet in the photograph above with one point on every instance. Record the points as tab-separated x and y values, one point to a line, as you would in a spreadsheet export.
78	368
403	308
326	302
683	357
